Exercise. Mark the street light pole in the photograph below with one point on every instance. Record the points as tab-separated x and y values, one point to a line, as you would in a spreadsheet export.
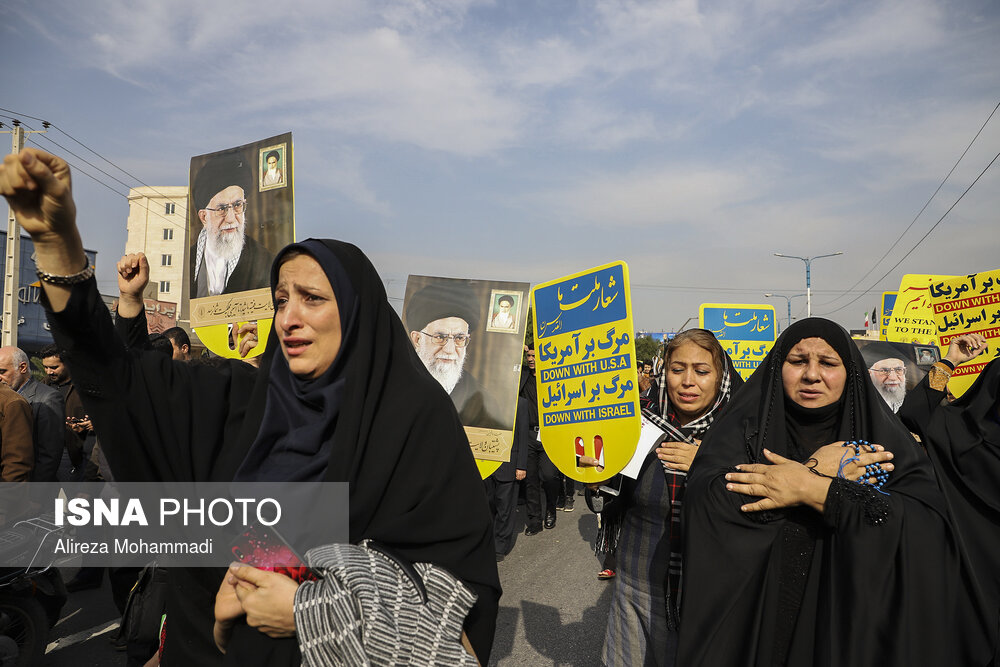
808	261
685	323
789	300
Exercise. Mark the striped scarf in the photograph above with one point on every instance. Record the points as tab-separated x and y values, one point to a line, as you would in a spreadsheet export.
371	608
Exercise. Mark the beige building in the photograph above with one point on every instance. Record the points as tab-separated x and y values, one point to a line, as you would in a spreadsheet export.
157	226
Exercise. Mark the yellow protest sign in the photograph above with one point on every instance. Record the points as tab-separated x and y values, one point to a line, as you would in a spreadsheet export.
217	338
588	387
746	331
912	317
888	304
964	305
487	468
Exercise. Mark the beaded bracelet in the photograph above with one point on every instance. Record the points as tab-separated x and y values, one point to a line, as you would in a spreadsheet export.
875	470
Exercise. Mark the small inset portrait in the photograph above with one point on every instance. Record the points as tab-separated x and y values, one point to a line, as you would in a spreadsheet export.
272	167
505	308
926	355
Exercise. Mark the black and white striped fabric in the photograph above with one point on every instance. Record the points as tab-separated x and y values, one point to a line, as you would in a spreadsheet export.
368	610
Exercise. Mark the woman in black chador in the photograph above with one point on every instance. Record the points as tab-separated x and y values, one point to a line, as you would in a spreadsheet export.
788	561
341	396
963	442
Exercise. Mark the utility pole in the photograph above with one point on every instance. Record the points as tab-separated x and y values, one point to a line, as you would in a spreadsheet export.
808	261
12	267
685	323
787	298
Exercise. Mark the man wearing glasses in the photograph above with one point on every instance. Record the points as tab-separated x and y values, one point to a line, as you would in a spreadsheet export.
889	377
224	259
441	319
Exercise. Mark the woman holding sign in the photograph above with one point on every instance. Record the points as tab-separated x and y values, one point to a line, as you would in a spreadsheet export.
341	396
643	622
791	561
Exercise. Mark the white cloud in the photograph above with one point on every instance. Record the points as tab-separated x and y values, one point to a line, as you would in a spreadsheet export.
427	15
588	124
352	72
673	195
891	28
382	85
339	169
548	62
902	146
680	134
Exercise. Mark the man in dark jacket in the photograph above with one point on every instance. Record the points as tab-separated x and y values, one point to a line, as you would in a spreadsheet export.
16	450
501	486
542	474
48	412
78	436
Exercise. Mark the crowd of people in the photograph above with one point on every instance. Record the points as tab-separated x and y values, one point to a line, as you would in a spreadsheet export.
812	515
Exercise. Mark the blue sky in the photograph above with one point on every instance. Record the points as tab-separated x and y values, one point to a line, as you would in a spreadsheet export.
529	140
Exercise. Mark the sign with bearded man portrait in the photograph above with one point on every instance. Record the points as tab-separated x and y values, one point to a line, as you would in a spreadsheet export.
235	229
449	323
894	368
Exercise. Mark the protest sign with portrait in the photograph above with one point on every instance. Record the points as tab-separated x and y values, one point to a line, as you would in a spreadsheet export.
452	325
236	227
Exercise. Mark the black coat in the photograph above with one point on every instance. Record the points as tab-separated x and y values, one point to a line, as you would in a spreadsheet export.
963	442
522	437
398	441
160	420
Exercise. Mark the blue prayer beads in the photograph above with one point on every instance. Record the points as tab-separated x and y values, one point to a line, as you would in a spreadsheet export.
872	470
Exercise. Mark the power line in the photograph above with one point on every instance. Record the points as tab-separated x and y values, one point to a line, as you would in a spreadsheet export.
79	169
24	115
922	238
85	161
127	173
919	213
80	143
692	288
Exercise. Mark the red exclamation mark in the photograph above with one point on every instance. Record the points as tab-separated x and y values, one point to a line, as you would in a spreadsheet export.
599	450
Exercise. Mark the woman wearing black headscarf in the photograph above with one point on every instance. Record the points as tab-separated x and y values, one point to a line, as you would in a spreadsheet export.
790	566
963	442
345	401
366	411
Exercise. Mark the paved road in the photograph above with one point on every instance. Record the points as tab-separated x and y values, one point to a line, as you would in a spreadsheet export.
82	636
553	611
